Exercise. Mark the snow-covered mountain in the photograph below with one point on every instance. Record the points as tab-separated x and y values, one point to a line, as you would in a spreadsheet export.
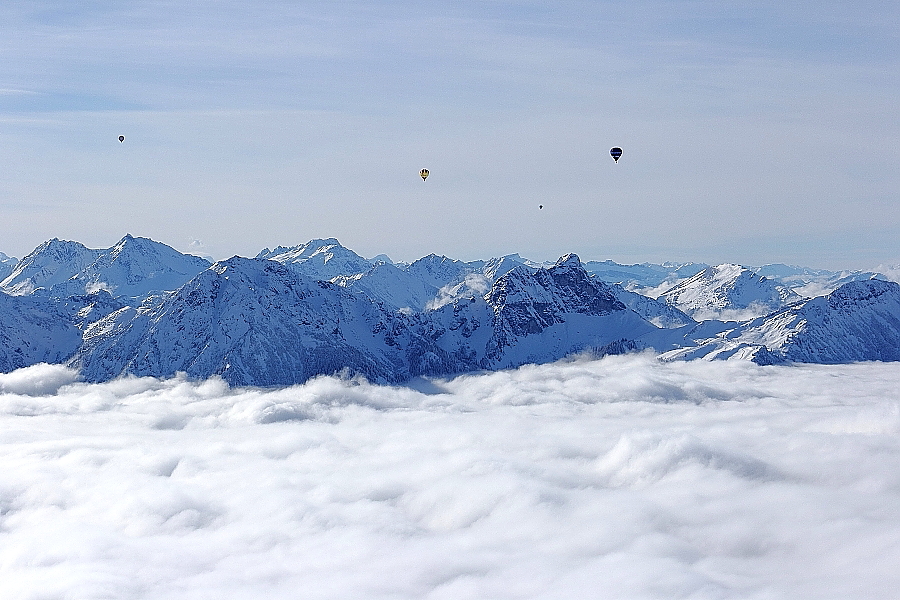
7	264
642	276
322	259
728	292
859	321
538	314
254	322
810	283
257	322
439	271
34	330
134	267
143	308
430	282
659	313
395	288
53	262
463	280
651	279
533	315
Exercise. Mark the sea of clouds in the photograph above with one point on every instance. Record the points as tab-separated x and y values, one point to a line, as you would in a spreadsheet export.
624	477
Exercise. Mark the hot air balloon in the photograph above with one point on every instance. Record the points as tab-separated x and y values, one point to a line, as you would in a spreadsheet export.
423	174
121	138
615	153
541	207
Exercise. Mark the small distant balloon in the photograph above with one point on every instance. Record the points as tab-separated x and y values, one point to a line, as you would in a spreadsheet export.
541	206
423	174
615	153
121	138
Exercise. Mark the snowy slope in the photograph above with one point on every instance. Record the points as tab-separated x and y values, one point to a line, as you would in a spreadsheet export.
642	276
554	312
255	322
473	285
395	288
659	313
439	271
322	259
53	262
859	321
461	280
134	267
428	283
810	283
729	292
497	267
267	322
33	330
7	264
651	279
536	316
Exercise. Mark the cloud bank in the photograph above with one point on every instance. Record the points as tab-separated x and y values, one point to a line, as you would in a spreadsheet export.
615	478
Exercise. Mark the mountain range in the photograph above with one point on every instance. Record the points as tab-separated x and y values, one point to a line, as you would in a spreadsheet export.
292	313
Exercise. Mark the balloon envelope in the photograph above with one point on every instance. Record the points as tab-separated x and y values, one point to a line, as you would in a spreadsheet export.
121	138
615	153
423	174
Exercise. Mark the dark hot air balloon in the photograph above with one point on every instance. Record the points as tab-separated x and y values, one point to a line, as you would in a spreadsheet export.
615	153
423	174
121	138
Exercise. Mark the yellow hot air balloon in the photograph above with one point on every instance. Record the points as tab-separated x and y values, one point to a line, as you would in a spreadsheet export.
423	174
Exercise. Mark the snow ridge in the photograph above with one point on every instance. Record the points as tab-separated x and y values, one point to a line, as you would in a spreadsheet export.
857	322
135	266
728	291
293	313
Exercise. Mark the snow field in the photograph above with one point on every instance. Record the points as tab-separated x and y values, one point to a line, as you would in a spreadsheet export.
623	477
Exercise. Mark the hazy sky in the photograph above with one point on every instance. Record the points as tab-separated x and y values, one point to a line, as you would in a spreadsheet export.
753	132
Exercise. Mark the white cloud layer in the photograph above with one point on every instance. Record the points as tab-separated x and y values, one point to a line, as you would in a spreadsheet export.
618	478
36	380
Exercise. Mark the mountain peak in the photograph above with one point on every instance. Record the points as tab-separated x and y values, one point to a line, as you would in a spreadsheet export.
135	266
728	291
319	258
569	260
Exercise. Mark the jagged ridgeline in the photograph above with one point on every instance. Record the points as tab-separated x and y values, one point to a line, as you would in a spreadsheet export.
143	308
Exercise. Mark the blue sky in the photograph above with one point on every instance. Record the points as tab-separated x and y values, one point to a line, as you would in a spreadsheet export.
753	132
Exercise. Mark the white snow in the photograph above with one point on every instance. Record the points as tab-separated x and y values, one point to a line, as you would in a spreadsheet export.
321	259
133	267
619	478
728	292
